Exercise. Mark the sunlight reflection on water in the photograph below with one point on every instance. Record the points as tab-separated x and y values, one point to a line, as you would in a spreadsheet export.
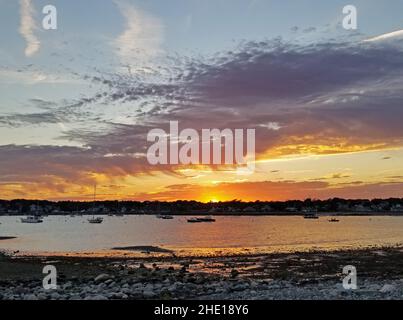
227	235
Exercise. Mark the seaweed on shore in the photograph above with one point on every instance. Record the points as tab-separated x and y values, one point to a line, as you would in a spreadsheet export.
144	248
7	238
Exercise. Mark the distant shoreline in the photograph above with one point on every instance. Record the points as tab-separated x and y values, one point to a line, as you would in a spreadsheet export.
234	214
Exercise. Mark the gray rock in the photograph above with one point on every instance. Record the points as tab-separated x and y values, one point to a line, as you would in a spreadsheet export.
20	290
148	294
149	287
173	288
96	297
67	285
240	287
42	296
373	287
388	288
126	290
102	277
55	296
121	296
30	297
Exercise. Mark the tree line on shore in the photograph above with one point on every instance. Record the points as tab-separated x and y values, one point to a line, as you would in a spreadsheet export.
183	206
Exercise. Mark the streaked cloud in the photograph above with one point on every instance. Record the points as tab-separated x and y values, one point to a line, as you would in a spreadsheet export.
25	76
142	38
28	27
274	191
386	36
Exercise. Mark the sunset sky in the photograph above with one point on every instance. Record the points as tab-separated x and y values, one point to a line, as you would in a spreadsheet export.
76	103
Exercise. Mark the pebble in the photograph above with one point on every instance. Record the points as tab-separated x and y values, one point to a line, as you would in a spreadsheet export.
148	294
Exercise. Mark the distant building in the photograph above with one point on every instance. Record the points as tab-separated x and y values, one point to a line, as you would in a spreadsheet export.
35	209
249	209
397	208
343	207
267	208
361	208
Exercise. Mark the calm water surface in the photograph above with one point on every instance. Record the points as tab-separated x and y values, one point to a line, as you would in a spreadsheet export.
254	234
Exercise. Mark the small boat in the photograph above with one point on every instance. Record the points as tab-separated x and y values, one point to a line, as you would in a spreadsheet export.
165	216
31	219
203	219
95	220
207	219
334	220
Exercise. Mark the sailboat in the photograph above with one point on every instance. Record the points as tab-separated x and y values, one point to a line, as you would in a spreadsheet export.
310	213
95	219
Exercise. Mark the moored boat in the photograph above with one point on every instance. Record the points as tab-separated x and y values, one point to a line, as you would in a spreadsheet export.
207	219
95	220
31	219
202	219
165	216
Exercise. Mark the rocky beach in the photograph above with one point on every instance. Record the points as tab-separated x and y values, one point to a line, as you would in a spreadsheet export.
313	275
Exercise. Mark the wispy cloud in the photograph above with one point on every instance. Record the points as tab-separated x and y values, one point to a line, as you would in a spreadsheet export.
327	98
24	76
27	27
274	191
386	36
142	38
333	98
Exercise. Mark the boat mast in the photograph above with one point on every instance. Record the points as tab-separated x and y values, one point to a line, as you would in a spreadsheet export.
93	203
